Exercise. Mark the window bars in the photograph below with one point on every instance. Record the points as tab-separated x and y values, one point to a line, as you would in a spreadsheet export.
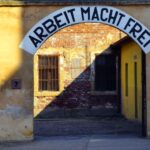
48	73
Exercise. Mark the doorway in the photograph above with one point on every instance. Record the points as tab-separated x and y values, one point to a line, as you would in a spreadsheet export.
131	81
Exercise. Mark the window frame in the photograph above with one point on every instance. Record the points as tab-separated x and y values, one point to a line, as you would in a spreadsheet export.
38	92
47	80
93	72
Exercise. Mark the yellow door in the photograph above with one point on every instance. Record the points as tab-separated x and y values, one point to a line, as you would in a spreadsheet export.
131	81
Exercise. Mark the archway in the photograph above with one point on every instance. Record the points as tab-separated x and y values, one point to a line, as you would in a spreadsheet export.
74	15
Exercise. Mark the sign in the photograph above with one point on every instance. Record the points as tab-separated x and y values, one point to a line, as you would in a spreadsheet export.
79	14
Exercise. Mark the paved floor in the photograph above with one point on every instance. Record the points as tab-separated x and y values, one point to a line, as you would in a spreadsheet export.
93	142
84	134
84	126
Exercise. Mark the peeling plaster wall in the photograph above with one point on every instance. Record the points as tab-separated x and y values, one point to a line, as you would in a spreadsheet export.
81	43
15	104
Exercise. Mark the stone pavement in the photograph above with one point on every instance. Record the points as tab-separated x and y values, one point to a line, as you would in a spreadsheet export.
109	133
80	142
86	126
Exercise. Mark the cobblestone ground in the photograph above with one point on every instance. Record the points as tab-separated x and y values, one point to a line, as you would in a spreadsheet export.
86	126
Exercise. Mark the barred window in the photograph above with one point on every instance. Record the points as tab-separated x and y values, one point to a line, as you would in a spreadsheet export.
48	73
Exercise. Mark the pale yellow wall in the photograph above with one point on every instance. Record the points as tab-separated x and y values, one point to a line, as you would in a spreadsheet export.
131	53
15	105
140	12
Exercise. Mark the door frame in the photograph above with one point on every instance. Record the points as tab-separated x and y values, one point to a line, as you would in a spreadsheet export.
144	103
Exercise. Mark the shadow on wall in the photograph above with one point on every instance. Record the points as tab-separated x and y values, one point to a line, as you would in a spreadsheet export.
16	81
78	99
16	96
18	89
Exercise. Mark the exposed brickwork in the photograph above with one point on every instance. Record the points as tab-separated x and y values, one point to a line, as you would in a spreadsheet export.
83	42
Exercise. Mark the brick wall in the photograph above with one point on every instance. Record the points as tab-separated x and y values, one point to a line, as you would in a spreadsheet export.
79	42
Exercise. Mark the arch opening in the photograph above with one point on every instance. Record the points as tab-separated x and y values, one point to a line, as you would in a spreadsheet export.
78	90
